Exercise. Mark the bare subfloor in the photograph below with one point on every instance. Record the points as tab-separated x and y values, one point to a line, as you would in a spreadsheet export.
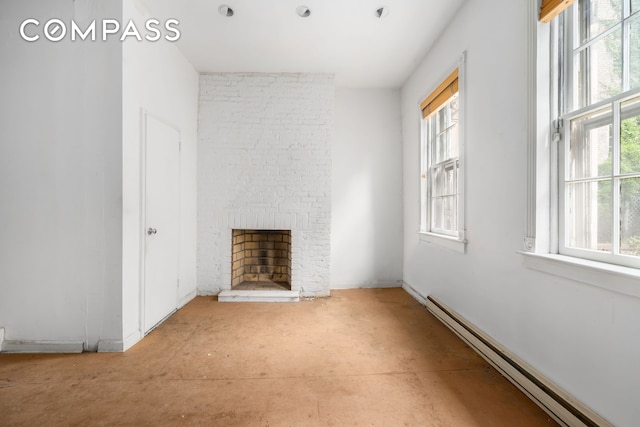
360	357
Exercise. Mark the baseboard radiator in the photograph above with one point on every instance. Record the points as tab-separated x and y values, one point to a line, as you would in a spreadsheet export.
556	402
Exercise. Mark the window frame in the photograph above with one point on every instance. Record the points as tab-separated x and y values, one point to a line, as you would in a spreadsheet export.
452	239
540	238
567	99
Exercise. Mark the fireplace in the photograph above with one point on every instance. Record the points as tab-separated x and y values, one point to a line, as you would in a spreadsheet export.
264	156
261	259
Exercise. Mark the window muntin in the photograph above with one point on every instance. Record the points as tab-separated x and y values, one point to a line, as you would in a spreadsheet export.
599	176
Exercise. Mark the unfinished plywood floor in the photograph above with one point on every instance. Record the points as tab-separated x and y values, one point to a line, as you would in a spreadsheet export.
360	357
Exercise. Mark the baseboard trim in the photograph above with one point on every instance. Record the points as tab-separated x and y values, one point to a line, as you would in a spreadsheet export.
133	339
119	346
187	299
1	338
415	294
110	346
555	401
20	346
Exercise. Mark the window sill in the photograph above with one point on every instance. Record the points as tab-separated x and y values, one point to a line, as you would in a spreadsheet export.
449	242
624	280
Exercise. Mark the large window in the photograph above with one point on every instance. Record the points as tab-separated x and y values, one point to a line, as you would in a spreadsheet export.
442	161
599	153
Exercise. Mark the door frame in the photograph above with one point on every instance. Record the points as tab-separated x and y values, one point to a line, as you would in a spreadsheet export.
144	116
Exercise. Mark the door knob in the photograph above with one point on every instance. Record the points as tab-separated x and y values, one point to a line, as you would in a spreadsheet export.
151	231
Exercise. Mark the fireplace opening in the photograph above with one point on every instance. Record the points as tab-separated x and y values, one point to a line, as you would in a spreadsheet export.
261	259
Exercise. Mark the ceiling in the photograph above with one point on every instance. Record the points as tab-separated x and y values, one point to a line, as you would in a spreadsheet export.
342	37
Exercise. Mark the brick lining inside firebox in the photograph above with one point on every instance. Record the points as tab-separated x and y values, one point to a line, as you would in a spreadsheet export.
261	258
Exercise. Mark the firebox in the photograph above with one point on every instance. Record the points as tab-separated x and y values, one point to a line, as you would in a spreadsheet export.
261	259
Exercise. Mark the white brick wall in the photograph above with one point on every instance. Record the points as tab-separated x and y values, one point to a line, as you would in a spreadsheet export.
264	162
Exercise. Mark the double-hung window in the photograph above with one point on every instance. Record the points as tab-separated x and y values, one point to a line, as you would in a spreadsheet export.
442	161
599	152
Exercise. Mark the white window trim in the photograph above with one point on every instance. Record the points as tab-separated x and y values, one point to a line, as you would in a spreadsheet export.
454	242
540	243
624	280
450	242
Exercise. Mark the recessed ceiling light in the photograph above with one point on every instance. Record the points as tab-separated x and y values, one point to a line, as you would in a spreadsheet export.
225	10
303	11
382	11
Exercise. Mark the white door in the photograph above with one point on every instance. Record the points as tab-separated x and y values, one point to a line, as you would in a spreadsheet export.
162	231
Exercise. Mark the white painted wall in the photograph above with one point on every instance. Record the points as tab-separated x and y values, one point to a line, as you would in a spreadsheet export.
60	179
264	162
366	189
157	79
582	337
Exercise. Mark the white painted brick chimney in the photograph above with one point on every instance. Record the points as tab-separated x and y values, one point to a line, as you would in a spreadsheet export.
264	162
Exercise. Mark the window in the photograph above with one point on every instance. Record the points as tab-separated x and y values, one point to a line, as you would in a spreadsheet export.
442	161
599	153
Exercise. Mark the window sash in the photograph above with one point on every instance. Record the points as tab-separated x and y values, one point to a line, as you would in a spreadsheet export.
580	91
441	189
444	197
582	196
